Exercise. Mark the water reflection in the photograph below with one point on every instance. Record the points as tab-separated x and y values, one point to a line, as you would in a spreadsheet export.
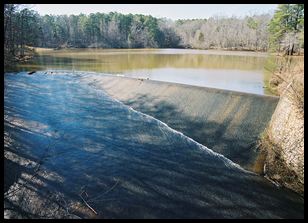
237	80
240	71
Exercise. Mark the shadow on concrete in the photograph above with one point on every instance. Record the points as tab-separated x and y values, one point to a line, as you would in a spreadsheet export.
123	164
11	173
238	144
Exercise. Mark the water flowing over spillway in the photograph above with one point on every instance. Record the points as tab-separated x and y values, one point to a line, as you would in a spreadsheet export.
228	122
73	151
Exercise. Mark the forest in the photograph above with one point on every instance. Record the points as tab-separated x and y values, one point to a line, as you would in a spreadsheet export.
25	28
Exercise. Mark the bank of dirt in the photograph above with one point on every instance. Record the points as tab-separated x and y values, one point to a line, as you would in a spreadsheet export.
283	140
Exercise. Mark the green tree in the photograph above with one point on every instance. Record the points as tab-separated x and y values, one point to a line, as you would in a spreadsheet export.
287	21
20	31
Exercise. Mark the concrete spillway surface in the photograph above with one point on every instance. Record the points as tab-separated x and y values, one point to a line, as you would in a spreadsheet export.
228	122
72	151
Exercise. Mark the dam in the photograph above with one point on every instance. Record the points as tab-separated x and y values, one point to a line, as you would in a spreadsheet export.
228	122
86	145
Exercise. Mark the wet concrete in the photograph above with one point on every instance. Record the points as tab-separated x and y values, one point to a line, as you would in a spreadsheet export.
81	154
228	122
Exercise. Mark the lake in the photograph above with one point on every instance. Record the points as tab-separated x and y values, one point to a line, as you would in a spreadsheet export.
238	71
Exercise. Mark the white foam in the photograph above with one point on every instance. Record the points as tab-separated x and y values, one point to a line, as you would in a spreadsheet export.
226	161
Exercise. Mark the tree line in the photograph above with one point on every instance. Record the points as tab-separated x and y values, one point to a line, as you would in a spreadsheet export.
287	28
248	33
24	27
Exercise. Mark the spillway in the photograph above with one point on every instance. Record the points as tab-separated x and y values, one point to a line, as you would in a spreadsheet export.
228	122
73	151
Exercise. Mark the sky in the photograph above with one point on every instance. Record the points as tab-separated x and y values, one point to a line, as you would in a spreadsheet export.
171	11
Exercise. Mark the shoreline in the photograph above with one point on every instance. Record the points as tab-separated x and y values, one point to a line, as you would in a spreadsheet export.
216	50
210	51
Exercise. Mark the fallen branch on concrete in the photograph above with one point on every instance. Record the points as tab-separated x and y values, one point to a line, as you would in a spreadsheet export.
110	189
87	203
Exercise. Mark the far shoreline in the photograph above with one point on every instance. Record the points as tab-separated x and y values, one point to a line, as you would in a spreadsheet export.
217	51
241	52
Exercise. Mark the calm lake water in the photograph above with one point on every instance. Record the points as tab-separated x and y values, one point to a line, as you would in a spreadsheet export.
239	71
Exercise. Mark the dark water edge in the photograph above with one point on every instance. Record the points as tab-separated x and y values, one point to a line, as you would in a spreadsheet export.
66	141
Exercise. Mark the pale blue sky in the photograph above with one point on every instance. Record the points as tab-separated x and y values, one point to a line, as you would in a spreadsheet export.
172	11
